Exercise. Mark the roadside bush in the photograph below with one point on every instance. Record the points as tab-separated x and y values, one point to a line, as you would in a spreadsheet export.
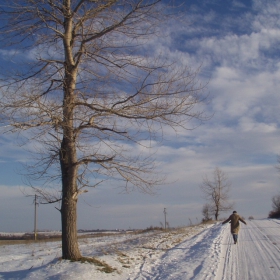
152	228
275	213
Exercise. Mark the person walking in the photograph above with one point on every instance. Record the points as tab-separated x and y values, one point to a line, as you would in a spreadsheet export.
234	219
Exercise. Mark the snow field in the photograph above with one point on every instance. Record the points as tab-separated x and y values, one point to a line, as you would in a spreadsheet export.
191	253
126	253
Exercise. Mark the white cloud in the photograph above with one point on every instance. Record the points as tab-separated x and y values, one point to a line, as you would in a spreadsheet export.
266	14
244	51
242	138
247	124
238	4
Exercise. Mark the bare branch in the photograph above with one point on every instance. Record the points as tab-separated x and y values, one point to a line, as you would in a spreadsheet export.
216	192
85	92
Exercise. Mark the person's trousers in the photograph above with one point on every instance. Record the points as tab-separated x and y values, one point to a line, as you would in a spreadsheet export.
235	237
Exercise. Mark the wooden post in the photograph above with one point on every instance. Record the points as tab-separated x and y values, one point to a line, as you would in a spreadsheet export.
35	219
164	211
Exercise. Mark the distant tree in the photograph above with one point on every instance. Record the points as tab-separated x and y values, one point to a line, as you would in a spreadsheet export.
85	88
275	213
251	218
216	192
276	203
206	210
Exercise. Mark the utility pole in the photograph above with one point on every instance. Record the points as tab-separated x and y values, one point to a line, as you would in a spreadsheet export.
164	211
35	218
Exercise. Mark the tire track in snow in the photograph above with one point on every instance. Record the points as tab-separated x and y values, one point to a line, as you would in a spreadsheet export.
196	256
211	254
257	254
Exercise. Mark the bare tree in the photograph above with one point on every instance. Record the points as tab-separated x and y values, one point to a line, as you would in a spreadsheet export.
275	213
216	192
276	203
206	209
86	89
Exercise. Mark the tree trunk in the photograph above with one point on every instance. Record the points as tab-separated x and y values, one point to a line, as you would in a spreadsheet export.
69	170
68	162
70	248
216	215
68	153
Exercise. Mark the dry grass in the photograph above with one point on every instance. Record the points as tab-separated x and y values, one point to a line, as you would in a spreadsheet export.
47	238
103	266
26	242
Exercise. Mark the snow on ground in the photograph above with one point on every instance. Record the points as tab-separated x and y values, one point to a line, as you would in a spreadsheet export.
199	252
257	254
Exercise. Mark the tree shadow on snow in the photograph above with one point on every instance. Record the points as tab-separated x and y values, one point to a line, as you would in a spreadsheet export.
25	273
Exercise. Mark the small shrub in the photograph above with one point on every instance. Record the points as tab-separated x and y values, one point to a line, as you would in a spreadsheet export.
206	220
274	214
151	228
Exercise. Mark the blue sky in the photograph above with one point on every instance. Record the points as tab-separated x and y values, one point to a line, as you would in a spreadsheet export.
237	45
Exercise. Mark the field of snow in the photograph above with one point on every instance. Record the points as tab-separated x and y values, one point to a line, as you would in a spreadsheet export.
198	252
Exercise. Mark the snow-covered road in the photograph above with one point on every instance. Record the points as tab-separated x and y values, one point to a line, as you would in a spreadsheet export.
212	255
257	255
199	252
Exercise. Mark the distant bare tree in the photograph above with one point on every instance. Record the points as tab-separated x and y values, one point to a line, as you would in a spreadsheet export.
85	89
206	212
275	213
216	192
276	203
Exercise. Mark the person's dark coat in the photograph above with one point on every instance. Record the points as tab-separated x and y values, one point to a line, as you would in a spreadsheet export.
234	222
